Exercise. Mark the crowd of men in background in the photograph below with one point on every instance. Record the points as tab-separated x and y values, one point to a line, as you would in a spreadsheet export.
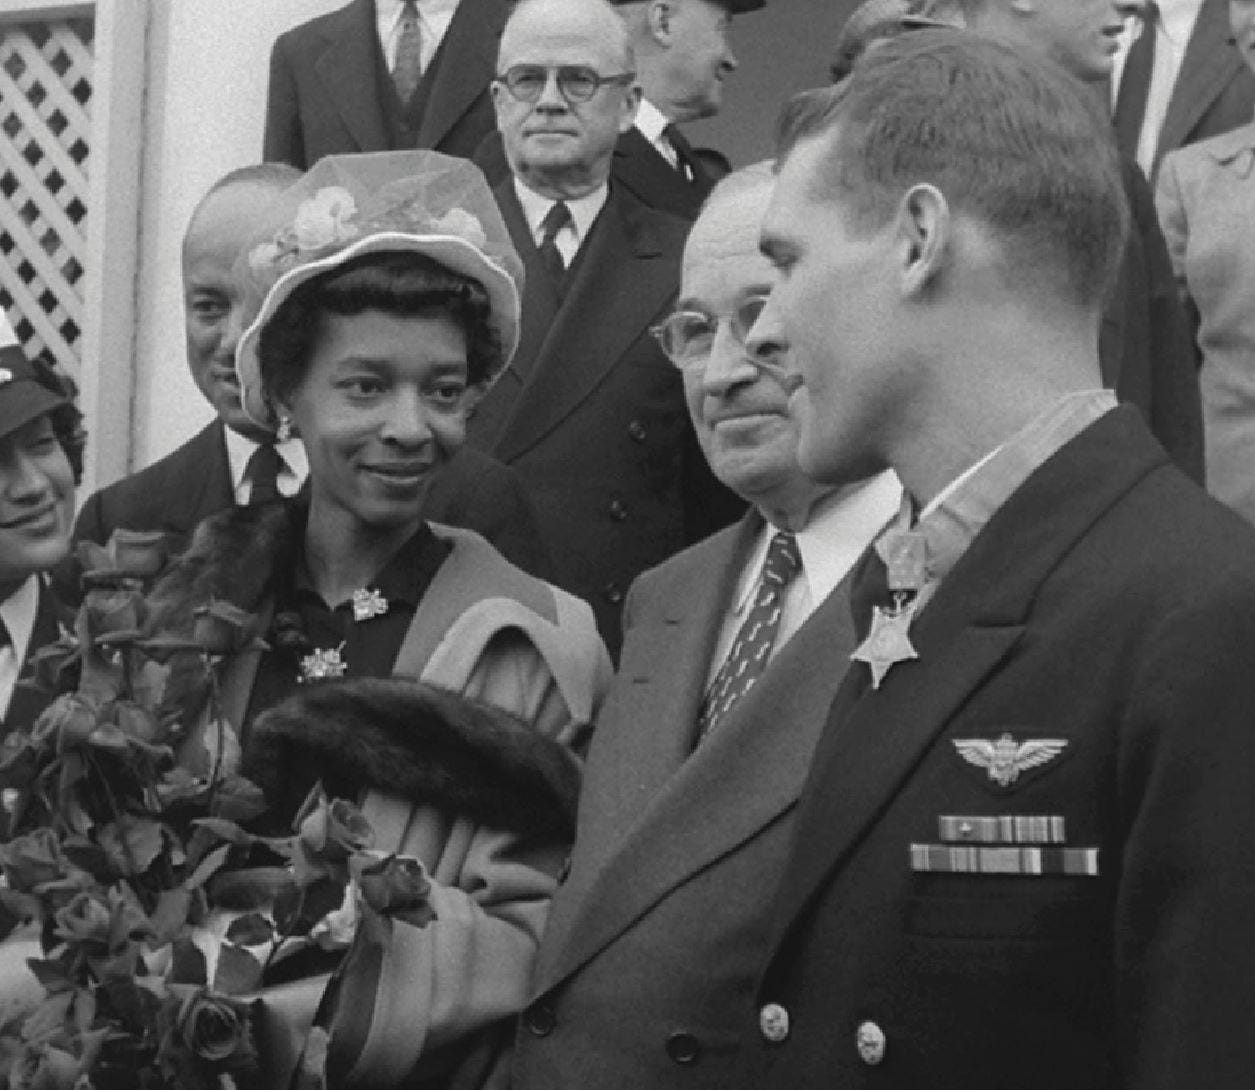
856	408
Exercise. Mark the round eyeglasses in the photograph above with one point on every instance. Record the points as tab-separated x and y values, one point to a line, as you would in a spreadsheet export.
687	337
576	82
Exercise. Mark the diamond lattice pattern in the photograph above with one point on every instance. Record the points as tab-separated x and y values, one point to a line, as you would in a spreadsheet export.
45	131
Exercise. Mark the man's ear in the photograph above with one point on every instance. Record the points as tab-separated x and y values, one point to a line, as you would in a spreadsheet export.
658	18
924	229
631	103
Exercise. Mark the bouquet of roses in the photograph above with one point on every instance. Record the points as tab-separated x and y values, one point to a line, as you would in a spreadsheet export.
138	930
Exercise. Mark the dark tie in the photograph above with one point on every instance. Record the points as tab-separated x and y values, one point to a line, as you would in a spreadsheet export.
262	473
751	648
1135	84
5	638
555	219
686	161
408	70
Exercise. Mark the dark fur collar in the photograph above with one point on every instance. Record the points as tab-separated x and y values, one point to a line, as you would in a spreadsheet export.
425	744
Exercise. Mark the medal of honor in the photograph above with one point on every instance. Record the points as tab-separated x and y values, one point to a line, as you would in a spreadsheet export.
323	662
889	641
368	604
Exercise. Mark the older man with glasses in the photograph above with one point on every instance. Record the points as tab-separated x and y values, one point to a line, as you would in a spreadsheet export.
733	651
590	413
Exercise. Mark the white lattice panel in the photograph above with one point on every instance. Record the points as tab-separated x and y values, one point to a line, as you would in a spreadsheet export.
45	143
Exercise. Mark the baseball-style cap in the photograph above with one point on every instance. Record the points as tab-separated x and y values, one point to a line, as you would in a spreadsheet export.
23	393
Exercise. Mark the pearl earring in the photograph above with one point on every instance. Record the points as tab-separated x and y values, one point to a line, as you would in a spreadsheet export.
284	431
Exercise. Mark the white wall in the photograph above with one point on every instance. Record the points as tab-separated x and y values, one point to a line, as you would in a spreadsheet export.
208	61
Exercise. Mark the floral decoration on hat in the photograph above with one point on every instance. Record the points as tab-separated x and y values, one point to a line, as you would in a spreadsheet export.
350	205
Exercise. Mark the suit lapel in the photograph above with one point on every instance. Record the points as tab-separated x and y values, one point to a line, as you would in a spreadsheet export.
748	773
640	167
874	739
464	66
348	68
1209	64
203	481
597	321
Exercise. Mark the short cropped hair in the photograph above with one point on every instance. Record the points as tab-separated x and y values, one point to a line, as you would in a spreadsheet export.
397	283
1009	139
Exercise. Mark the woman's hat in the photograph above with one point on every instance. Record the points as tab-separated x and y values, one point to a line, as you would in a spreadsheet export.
24	394
346	206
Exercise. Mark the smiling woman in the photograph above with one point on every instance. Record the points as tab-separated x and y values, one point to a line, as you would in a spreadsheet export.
41	447
385	300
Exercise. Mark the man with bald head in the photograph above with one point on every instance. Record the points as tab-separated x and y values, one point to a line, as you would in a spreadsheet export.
232	460
648	962
589	412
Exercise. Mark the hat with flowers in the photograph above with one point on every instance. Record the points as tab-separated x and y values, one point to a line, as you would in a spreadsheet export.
347	206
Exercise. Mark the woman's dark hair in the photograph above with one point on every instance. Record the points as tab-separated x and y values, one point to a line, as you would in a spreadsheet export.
66	420
404	284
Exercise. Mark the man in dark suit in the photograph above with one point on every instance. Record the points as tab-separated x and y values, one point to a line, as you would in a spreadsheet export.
1146	350
233	460
1022	857
590	412
682	57
649	956
383	75
1206	89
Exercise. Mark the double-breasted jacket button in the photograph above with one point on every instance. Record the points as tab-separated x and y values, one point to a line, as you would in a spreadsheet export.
637	431
683	1048
612	593
773	1023
871	1043
618	510
540	1019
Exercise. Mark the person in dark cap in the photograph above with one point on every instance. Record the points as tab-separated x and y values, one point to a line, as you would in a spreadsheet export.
41	449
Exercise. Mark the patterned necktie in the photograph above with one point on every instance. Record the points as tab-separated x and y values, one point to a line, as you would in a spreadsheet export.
558	217
262	473
1135	84
751	648
408	69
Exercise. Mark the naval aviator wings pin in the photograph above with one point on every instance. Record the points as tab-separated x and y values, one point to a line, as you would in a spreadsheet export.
1005	758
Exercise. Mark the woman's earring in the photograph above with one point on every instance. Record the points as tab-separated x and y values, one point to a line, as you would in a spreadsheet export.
284	431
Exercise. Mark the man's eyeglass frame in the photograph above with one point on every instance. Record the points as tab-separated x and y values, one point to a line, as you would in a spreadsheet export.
576	82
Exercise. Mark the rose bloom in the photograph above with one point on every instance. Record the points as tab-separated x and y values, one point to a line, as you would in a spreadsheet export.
215	1028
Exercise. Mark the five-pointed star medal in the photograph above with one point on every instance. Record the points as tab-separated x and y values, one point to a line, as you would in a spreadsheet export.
887	643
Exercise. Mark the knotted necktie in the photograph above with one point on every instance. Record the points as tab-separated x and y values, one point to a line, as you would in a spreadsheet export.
686	161
262	473
558	217
751	648
1135	84
408	69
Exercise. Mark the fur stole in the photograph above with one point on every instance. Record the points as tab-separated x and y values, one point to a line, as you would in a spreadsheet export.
427	745
232	557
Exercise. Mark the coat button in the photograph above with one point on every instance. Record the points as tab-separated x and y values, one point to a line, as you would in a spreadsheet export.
612	593
871	1043
618	511
637	431
773	1023
540	1020
683	1048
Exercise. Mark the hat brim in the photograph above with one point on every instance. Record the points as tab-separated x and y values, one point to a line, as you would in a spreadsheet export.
454	253
22	401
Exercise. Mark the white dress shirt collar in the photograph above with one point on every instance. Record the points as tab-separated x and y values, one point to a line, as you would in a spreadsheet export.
17	612
584	211
651	121
240	450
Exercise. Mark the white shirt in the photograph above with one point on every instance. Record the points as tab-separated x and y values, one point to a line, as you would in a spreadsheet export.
584	211
1173	28
434	17
840	529
651	121
240	450
18	613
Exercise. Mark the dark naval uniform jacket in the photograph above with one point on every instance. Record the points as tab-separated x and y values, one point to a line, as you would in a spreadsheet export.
1026	860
